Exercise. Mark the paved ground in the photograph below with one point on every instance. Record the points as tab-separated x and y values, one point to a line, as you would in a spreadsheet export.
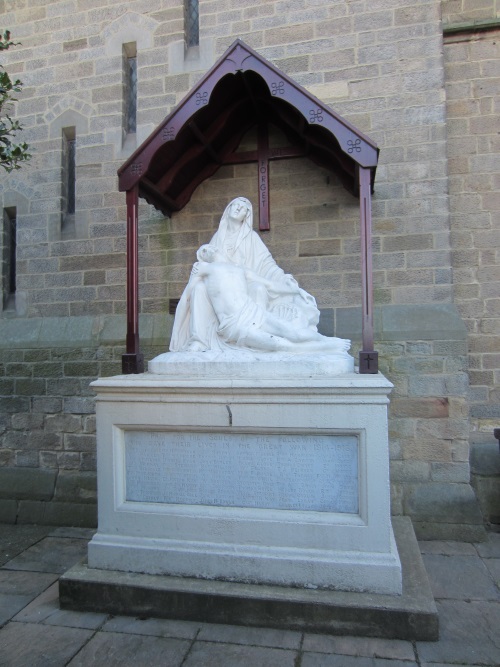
465	579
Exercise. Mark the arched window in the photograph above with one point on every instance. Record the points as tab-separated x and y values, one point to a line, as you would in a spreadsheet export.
68	180
191	22
9	257
130	88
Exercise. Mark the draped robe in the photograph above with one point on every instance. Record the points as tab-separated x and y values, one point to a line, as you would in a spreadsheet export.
195	320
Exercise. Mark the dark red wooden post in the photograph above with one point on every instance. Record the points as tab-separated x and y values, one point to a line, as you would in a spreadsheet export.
132	360
263	162
368	358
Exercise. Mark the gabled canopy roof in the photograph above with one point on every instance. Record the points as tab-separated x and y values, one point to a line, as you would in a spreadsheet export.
241	91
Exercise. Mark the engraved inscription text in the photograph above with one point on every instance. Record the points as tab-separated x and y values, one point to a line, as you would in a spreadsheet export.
273	471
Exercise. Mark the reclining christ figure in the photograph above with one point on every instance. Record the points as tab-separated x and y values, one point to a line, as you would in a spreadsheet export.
244	323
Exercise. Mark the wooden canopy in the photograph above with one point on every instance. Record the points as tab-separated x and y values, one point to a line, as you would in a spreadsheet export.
240	92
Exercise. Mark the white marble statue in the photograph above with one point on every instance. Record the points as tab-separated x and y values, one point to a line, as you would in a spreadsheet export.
243	322
237	297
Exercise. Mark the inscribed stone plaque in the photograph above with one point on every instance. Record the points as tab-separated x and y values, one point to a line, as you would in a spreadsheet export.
277	471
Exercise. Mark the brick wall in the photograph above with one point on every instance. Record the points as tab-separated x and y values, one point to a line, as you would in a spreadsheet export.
379	63
461	11
473	90
47	412
473	84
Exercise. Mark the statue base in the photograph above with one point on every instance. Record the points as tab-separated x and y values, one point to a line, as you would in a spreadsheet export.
212	472
409	616
249	364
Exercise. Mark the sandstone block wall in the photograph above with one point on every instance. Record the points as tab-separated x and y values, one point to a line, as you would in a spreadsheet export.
380	64
472	32
473	91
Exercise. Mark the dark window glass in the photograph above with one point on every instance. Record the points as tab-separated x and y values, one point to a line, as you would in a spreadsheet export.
9	256
192	22
131	95
71	176
68	182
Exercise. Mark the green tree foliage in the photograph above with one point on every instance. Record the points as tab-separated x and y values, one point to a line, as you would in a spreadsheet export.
11	153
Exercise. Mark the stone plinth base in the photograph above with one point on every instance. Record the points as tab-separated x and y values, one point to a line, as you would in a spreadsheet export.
213	473
411	615
250	364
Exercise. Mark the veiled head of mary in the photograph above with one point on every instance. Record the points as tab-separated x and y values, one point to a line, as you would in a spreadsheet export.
235	227
238	212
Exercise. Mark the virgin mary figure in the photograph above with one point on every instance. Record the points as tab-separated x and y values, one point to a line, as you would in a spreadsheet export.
195	324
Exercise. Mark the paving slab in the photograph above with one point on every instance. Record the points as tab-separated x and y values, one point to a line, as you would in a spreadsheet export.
45	609
118	650
68	531
394	649
460	578
446	548
28	645
447	664
10	605
234	634
469	634
15	539
51	554
41	607
157	627
18	589
206	654
322	660
491	547
493	567
25	583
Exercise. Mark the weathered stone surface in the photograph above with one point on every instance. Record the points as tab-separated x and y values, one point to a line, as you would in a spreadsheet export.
395	649
447	548
63	422
29	584
277	607
15	539
463	578
51	554
485	458
76	487
487	489
131	650
45	609
457	643
316	248
32	483
426	408
493	566
30	644
58	514
323	660
72	532
158	627
18	589
455	472
449	531
250	636
490	548
8	511
410	471
440	322
210	655
446	503
10	604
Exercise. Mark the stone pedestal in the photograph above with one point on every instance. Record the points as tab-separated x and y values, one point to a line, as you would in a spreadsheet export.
255	473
